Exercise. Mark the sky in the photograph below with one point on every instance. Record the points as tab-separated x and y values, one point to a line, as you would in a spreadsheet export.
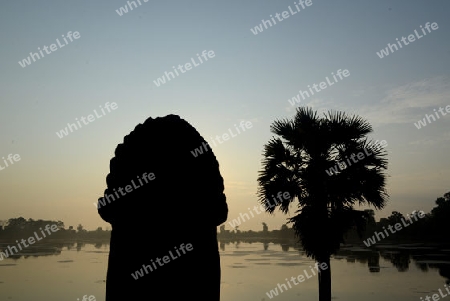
114	60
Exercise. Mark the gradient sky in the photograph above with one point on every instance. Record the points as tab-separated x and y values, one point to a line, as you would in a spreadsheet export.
251	78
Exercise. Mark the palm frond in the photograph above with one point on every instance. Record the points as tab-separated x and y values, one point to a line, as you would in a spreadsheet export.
296	162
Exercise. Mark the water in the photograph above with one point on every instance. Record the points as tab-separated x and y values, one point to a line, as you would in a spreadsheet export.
249	271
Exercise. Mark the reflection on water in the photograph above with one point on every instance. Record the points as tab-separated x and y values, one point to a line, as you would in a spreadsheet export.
400	256
389	272
64	271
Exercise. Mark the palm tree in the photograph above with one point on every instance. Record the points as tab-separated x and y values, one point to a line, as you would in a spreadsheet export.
328	165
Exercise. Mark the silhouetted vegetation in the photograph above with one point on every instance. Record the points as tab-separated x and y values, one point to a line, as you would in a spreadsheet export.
299	162
431	228
284	234
21	228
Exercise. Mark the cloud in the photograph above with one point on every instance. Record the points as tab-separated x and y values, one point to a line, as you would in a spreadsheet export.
317	104
409	102
404	104
432	141
242	187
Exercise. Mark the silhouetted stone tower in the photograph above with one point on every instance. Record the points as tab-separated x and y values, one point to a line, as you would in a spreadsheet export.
158	197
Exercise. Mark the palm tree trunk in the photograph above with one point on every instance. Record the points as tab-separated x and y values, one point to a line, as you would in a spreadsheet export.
324	281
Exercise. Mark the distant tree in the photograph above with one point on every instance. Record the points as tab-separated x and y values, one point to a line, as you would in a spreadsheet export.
60	225
395	217
306	161
265	228
383	222
443	206
371	223
16	224
3	223
286	232
440	217
370	216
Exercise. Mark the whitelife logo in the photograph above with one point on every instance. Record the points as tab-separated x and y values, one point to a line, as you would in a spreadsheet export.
12	249
282	287
340	166
205	146
373	240
27	61
162	80
146	177
12	159
124	9
90	118
284	15
86	298
166	259
323	85
237	222
423	122
411	38
436	297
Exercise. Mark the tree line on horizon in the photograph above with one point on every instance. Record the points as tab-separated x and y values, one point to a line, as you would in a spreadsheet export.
431	228
16	228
